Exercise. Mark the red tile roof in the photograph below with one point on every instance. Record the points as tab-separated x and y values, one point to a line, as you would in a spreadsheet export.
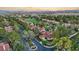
4	47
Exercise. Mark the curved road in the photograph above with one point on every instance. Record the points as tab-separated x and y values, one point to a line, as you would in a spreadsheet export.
39	46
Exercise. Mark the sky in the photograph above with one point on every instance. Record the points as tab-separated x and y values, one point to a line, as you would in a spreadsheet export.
39	5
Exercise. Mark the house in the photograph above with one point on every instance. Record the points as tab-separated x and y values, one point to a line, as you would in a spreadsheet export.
8	28
4	47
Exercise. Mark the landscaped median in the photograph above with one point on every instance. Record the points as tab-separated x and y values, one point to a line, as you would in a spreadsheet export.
32	45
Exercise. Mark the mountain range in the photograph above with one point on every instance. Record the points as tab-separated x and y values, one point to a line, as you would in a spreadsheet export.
38	12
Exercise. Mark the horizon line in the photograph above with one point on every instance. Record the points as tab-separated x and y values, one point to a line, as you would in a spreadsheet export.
39	8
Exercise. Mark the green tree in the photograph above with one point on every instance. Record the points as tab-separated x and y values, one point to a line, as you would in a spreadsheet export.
63	43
